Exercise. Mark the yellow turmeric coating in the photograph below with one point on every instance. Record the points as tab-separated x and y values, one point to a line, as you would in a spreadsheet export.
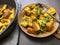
36	20
6	16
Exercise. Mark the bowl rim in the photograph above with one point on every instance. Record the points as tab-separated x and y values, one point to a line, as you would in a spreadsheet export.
12	20
36	36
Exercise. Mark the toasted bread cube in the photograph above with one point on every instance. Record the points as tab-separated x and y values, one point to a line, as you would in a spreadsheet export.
33	17
27	9
49	25
36	26
41	17
43	12
24	23
24	17
31	30
30	24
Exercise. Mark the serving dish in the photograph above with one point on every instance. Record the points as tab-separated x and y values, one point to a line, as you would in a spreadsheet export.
11	26
55	26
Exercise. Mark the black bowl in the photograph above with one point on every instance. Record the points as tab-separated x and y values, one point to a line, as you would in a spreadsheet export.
12	25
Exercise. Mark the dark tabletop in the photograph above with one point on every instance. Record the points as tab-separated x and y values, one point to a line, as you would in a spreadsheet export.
27	40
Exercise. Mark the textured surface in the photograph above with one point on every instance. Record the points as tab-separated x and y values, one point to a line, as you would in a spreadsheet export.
27	40
11	39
